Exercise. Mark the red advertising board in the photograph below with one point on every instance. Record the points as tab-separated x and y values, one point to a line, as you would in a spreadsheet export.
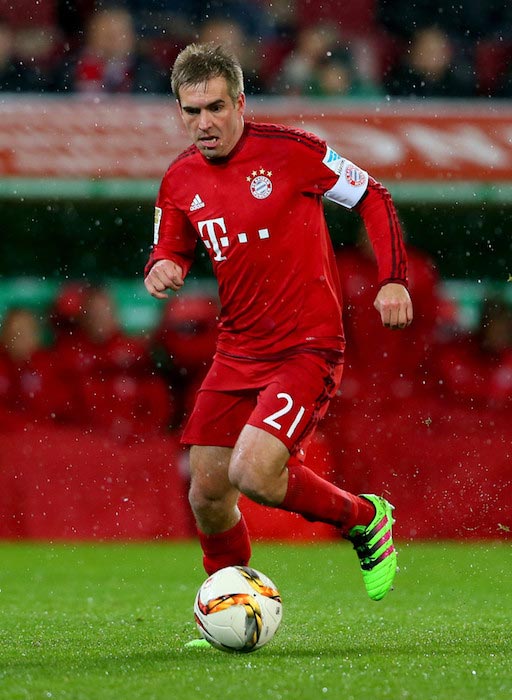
71	138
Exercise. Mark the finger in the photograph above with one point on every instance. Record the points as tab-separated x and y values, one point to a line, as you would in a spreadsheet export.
384	316
155	286
405	315
176	283
170	279
159	295
393	318
403	321
388	315
163	280
410	314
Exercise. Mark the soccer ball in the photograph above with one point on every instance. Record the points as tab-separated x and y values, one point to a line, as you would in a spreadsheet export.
238	609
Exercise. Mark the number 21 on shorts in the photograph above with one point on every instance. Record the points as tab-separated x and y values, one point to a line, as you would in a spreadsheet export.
273	419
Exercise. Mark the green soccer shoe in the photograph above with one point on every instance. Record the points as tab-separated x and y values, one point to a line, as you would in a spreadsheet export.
198	644
374	547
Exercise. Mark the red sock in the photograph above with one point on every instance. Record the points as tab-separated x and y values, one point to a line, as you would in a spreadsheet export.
229	548
318	500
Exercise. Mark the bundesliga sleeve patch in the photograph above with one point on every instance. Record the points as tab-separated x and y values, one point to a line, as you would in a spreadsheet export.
352	180
156	228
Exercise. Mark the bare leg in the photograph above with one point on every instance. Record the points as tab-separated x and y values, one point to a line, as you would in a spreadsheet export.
212	497
222	530
258	466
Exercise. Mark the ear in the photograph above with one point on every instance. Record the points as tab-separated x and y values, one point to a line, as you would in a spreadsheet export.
181	112
240	103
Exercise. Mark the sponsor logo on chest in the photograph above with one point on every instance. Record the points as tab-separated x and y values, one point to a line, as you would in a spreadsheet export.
214	235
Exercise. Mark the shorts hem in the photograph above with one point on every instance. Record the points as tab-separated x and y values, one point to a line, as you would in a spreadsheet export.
200	442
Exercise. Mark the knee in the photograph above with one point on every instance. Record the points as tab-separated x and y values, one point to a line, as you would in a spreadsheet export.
202	499
257	466
249	478
197	497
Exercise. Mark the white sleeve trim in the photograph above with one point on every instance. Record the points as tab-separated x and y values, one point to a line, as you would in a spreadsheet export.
352	181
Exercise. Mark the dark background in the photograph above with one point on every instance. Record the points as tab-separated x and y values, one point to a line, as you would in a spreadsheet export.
111	239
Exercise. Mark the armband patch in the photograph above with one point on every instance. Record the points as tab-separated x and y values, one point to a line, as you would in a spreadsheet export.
350	187
354	175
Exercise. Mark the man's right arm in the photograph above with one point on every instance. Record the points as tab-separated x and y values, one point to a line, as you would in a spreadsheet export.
172	253
164	275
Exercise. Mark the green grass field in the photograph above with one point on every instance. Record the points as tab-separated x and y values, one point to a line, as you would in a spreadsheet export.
91	622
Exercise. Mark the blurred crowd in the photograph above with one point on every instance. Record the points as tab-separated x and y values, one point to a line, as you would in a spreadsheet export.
287	47
75	365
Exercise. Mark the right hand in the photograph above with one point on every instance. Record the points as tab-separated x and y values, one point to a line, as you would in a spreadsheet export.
164	275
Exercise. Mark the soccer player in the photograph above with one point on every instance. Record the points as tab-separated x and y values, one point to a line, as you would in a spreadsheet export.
252	193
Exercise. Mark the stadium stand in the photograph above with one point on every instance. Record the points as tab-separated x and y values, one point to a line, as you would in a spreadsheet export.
89	425
53	36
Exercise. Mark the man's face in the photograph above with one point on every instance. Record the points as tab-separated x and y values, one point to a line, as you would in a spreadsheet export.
213	122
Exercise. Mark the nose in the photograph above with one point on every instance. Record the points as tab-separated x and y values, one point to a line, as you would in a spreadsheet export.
204	120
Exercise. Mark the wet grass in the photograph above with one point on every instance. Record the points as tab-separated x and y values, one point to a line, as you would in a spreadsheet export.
109	621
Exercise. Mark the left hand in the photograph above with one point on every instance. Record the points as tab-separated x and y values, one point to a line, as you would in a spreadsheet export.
394	305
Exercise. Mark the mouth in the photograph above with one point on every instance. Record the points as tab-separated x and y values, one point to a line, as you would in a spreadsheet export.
208	142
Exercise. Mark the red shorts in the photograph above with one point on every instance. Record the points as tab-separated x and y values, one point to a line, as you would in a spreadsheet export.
285	398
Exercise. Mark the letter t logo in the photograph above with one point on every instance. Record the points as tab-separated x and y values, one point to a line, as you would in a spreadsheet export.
209	225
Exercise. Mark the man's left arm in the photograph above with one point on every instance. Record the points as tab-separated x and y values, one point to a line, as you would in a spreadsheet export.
346	184
378	212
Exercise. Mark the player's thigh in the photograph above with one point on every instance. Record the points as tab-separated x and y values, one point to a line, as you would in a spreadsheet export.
257	452
296	399
257	465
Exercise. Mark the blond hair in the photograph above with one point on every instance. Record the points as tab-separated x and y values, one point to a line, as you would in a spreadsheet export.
198	63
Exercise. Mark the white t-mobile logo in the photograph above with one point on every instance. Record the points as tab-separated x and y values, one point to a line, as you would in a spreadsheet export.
213	241
213	233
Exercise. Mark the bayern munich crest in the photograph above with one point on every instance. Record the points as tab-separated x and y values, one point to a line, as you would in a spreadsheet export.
354	176
260	183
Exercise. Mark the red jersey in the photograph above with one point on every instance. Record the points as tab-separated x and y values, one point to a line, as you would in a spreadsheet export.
259	214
